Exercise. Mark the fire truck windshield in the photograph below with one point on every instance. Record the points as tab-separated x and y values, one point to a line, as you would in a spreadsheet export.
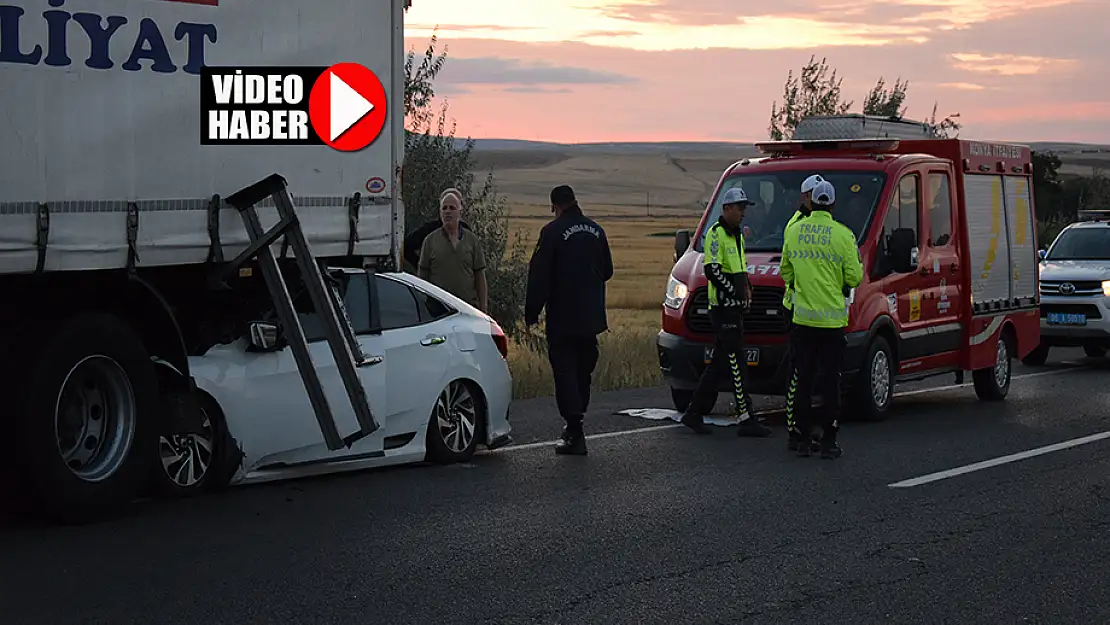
777	195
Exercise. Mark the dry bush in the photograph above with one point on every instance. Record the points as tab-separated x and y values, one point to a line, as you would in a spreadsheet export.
627	358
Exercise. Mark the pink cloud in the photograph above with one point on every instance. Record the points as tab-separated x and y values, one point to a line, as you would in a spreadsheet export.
1027	76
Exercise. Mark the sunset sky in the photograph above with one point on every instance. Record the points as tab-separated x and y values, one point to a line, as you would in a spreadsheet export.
704	70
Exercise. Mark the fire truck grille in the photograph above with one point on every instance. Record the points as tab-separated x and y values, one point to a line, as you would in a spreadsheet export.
767	315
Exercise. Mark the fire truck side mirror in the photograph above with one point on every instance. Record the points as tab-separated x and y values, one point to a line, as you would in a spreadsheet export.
681	243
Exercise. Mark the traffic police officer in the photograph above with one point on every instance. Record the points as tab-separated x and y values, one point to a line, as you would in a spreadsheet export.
567	275
803	211
726	268
820	261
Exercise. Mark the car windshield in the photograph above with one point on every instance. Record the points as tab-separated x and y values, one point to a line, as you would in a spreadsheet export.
1082	244
777	195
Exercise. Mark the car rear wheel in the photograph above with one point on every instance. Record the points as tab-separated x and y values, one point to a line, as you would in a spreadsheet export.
456	424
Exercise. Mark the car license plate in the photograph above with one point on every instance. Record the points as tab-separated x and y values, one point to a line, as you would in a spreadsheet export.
751	353
1067	319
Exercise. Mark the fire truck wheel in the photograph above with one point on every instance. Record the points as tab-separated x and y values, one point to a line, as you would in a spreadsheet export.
1094	351
1037	357
874	388
993	383
85	432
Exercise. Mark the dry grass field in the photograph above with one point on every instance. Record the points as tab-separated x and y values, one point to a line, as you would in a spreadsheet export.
640	196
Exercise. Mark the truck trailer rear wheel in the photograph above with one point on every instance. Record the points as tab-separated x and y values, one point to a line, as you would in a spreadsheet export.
86	439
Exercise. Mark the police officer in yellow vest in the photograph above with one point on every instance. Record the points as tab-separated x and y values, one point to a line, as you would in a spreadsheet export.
820	261
726	268
803	211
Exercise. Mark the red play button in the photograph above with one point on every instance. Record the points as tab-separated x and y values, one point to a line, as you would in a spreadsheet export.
347	107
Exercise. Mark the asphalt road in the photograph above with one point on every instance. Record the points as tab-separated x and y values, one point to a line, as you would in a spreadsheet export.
656	526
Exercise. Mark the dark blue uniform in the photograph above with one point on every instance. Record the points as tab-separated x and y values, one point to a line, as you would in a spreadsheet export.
567	276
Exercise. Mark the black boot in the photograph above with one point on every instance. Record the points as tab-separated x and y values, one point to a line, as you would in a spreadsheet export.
752	428
695	422
830	450
572	442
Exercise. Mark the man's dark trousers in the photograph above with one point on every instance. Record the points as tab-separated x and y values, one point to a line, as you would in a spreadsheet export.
573	359
818	353
728	362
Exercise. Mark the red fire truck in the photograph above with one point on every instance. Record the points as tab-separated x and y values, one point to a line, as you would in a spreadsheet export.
946	231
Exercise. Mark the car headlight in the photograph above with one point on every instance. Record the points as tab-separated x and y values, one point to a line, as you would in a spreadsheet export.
676	293
1106	288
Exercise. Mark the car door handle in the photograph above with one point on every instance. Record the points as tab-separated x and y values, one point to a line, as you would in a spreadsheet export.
433	340
370	361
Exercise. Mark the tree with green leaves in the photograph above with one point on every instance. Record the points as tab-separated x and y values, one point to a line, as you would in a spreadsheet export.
434	161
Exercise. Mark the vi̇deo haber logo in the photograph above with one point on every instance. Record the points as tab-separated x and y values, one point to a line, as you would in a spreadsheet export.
342	106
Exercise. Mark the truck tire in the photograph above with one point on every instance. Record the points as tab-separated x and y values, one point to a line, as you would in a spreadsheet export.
86	439
1037	357
681	399
993	383
1094	351
873	391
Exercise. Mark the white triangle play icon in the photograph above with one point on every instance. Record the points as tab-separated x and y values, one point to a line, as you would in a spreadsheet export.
347	107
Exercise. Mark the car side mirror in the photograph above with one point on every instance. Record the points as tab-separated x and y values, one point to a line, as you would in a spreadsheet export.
264	337
681	243
902	250
1042	254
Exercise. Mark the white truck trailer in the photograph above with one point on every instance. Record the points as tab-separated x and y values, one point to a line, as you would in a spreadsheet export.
121	252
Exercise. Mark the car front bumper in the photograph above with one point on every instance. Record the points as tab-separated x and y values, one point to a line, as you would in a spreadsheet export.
682	361
1069	331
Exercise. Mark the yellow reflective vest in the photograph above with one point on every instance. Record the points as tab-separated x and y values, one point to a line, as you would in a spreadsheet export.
788	296
820	258
725	262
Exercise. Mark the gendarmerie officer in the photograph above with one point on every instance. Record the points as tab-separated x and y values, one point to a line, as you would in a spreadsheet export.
726	268
567	276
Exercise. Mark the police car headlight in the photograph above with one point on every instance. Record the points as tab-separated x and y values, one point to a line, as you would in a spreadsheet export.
676	293
1106	288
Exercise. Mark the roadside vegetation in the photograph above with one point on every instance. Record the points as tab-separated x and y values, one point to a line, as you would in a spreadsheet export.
641	237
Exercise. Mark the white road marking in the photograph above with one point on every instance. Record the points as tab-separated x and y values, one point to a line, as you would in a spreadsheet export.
950	387
986	464
590	437
671	426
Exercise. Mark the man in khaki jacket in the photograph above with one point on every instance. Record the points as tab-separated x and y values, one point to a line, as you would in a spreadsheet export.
452	257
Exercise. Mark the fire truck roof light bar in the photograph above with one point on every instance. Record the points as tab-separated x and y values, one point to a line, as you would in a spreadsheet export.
843	145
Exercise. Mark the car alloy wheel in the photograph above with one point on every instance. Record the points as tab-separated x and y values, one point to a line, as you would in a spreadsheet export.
456	415
186	458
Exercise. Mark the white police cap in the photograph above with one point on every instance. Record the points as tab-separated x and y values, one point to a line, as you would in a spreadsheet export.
824	194
736	195
810	183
